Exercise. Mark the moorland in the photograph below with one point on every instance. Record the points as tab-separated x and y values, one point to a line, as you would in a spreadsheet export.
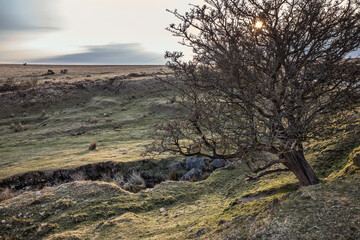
54	187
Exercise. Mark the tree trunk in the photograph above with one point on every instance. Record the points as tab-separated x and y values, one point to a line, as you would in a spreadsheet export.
296	162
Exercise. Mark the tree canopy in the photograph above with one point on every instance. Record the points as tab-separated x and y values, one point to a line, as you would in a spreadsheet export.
266	76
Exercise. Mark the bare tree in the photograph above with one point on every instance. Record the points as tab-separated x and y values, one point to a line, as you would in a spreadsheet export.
265	77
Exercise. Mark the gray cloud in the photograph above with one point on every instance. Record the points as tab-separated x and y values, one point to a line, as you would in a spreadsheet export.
27	15
132	53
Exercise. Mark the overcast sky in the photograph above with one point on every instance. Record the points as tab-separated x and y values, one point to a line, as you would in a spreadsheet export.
88	31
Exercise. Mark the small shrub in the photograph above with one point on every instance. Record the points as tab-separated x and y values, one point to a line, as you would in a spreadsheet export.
92	146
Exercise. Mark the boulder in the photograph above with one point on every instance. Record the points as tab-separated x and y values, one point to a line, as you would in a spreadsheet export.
193	175
218	163
195	162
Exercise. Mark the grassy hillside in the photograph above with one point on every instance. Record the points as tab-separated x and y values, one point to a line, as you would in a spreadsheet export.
224	206
119	122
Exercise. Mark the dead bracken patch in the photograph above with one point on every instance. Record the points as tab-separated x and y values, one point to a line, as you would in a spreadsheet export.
92	146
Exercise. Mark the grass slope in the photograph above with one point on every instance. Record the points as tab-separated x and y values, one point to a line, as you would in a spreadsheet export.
223	206
61	138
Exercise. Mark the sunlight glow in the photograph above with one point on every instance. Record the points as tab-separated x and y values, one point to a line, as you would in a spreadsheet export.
259	24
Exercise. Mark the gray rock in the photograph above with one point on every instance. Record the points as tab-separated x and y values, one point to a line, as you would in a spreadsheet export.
195	162
192	175
175	166
218	163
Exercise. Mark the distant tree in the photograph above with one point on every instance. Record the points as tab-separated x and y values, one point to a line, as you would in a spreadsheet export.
265	77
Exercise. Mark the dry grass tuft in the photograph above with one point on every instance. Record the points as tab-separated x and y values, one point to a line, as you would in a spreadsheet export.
205	175
19	128
173	175
135	183
92	146
31	83
106	177
6	194
119	179
79	176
